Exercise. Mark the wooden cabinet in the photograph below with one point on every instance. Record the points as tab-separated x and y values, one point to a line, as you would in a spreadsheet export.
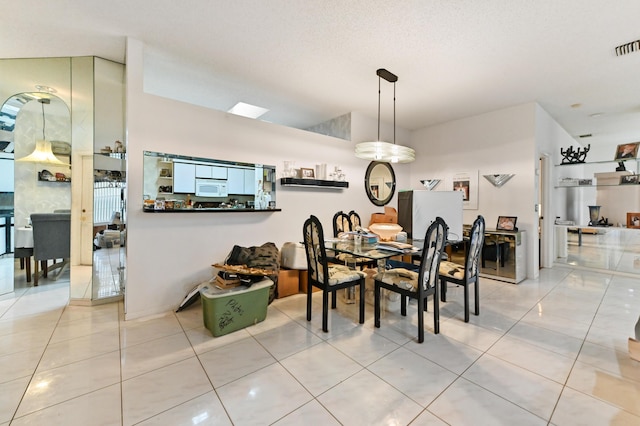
211	172
241	181
184	178
249	181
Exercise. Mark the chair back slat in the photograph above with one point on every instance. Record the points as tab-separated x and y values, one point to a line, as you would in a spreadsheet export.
341	223
315	249
434	242
354	218
476	238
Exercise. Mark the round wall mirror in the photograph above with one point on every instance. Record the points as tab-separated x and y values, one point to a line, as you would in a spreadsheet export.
380	183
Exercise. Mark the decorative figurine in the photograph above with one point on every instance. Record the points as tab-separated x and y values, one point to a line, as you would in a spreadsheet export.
574	157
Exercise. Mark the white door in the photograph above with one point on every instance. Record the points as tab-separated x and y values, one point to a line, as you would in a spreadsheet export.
86	212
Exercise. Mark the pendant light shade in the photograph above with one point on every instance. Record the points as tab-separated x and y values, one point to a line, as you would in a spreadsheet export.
385	152
380	150
43	152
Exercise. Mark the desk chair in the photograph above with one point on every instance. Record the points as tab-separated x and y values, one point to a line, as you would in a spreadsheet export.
327	278
417	285
51	240
466	274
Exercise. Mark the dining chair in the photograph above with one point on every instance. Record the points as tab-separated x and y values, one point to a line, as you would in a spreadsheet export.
354	218
467	274
341	223
24	254
328	278
51	241
416	285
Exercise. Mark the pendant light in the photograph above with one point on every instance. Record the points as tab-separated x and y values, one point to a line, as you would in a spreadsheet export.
43	153
380	150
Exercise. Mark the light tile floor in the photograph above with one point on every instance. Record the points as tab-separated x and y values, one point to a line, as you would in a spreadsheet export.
546	351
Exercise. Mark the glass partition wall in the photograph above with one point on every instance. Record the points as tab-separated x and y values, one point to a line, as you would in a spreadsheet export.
82	115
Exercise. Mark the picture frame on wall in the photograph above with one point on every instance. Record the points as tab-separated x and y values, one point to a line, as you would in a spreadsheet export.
307	173
629	180
633	220
467	183
627	150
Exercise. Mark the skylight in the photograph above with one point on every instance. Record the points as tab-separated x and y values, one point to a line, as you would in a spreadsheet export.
248	110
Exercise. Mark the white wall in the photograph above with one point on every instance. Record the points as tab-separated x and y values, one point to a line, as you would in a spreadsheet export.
493	143
168	253
556	202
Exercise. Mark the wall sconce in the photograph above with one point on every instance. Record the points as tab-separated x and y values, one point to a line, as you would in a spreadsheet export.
430	184
498	180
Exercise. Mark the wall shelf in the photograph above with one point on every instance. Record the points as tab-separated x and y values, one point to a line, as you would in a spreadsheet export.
211	210
586	163
314	183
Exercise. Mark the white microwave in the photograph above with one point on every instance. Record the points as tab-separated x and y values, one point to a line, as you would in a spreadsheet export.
211	188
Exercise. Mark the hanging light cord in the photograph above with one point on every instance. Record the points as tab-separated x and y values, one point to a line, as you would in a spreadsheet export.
43	120
394	112
378	107
394	107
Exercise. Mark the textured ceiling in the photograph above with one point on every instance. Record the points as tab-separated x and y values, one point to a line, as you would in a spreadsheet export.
309	61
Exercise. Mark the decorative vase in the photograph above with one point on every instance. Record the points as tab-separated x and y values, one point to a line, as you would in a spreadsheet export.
594	215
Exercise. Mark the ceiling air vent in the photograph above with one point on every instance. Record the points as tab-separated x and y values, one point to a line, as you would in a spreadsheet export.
586	135
625	49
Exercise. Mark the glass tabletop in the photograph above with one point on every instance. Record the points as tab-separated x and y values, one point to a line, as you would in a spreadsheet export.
375	251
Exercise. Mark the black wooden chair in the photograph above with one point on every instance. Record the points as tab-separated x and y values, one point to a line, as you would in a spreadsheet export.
344	222
328	278
341	223
355	220
467	274
417	285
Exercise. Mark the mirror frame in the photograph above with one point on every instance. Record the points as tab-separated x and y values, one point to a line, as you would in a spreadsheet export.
367	186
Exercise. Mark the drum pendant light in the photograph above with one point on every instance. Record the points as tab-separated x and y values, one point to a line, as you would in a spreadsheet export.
384	151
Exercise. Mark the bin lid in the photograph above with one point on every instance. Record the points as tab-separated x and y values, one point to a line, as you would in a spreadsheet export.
210	290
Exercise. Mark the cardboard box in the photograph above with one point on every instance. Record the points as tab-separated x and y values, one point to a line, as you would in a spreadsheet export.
288	282
225	311
304	282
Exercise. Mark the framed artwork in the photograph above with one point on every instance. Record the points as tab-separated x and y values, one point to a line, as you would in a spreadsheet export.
629	180
627	150
633	220
467	183
306	173
507	223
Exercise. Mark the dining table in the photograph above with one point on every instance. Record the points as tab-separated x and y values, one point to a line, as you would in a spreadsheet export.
379	251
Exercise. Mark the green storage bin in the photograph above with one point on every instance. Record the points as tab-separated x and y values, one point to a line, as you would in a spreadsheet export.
225	311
